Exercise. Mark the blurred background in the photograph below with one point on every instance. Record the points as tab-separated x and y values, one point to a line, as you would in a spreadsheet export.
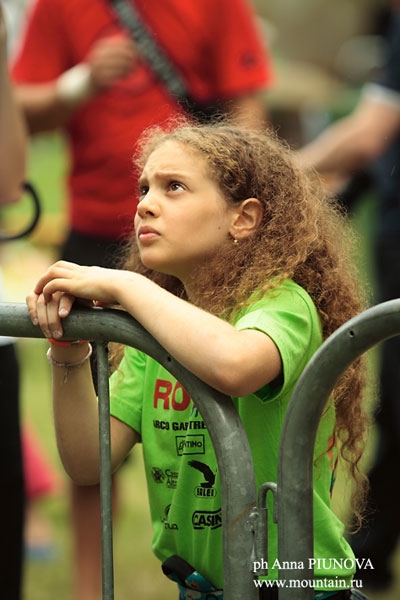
323	52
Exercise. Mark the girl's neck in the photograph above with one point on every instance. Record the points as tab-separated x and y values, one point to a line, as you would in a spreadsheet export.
193	294
198	286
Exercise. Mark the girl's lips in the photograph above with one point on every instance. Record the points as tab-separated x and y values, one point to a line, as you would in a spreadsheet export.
147	234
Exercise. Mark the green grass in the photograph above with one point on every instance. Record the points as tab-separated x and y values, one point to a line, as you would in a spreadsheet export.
48	162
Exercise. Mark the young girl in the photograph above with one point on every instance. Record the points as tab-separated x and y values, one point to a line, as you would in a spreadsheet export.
239	268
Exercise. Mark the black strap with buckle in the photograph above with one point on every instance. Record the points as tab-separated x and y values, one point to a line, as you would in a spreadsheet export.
159	61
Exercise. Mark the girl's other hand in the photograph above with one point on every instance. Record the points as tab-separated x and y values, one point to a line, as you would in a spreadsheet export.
48	313
57	289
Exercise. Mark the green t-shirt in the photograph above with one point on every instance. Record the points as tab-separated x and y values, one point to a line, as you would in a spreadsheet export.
181	467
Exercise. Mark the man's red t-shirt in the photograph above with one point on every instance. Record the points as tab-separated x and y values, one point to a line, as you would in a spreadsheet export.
214	44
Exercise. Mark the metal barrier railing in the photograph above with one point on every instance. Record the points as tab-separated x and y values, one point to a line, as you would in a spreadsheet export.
238	488
295	469
294	490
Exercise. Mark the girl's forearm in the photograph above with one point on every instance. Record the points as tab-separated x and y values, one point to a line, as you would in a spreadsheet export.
76	415
42	106
206	345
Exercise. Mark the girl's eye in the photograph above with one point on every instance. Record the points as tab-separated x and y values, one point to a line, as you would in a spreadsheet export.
143	189
174	186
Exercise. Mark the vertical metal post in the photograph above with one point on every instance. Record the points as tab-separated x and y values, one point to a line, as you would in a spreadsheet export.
238	487
105	473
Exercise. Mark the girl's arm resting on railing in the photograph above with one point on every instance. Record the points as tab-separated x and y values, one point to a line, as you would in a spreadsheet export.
76	417
227	359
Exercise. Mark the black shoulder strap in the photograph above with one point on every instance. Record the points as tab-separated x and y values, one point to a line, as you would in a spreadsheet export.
154	54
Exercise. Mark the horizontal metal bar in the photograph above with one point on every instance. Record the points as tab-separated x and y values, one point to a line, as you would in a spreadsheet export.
226	431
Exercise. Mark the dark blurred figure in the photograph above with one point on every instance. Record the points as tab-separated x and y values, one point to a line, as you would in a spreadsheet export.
12	170
369	139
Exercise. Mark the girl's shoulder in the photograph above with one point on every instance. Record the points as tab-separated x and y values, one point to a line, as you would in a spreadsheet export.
288	296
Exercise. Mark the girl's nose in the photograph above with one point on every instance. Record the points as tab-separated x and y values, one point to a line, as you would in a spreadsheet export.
147	206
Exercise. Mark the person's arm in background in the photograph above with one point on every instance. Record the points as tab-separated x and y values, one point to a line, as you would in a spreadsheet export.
48	106
360	138
12	131
249	110
354	141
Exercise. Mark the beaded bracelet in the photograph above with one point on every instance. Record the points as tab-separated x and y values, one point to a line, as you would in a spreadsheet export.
68	365
65	342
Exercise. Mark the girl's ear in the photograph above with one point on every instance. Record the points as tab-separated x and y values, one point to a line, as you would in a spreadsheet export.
247	218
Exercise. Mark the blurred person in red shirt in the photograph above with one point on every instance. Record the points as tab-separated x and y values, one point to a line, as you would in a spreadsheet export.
79	69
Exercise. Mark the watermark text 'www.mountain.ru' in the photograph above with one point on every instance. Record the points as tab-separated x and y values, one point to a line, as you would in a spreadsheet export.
318	584
325	583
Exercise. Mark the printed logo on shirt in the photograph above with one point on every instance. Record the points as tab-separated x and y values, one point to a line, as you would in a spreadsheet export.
194	413
164	519
205	489
190	444
167	477
178	426
157	424
170	397
158	475
203	519
188	425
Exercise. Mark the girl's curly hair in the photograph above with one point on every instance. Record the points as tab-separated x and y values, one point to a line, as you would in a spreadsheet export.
303	236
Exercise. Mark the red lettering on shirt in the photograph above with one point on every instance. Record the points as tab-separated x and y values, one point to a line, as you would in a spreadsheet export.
185	398
176	398
162	391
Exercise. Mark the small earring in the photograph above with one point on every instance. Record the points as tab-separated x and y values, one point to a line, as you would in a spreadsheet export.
235	241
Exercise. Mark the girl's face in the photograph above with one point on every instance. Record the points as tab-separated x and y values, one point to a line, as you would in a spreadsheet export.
182	217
